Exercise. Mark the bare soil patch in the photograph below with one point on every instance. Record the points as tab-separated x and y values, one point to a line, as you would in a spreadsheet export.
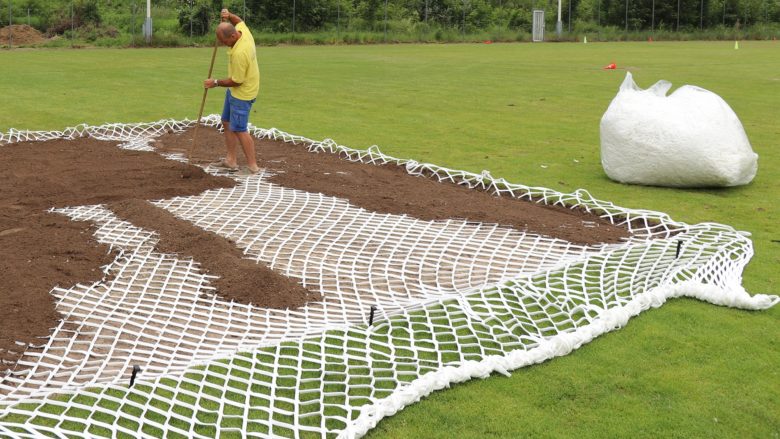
390	189
240	279
40	250
20	34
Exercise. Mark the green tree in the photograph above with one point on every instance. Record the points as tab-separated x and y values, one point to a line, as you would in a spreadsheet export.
196	16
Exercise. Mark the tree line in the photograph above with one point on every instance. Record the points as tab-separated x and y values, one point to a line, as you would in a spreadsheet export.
474	15
196	17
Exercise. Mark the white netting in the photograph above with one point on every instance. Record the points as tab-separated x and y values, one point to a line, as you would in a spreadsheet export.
454	300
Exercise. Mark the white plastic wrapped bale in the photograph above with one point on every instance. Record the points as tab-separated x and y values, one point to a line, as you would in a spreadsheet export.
691	138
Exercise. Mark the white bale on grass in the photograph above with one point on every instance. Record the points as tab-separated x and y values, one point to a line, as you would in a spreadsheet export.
691	138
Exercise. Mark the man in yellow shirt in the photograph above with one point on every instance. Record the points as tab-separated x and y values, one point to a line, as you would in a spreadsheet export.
243	84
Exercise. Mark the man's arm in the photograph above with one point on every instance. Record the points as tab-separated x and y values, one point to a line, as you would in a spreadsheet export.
227	15
239	75
211	83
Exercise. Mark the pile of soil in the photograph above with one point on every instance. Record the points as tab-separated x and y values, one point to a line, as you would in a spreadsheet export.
239	279
390	189
20	34
40	250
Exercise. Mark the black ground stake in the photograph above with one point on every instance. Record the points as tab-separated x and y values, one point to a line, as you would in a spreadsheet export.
136	369
371	315
679	246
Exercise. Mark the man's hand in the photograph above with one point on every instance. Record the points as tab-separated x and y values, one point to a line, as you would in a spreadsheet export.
210	83
226	15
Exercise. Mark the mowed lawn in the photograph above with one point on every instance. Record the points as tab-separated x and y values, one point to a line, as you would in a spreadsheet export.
529	113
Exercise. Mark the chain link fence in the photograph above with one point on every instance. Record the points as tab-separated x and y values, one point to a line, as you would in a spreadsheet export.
188	22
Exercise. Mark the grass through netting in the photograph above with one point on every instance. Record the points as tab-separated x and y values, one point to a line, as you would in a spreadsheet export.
320	383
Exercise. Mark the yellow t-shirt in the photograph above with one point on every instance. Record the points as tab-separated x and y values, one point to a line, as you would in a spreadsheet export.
242	65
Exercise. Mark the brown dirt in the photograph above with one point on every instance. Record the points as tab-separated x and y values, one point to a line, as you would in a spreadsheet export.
40	250
390	189
21	34
240	279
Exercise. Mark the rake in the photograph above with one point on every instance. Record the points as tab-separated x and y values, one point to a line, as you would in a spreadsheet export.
188	171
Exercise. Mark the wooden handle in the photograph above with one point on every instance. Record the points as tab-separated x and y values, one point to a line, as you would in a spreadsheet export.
203	101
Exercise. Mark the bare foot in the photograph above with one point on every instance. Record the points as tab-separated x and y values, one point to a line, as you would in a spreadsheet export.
249	171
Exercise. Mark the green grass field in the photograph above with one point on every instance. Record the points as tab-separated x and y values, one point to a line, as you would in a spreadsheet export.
529	113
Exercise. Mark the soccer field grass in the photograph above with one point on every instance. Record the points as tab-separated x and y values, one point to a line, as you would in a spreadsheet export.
528	113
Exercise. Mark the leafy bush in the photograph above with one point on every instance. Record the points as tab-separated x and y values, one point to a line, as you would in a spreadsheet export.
195	17
91	33
74	15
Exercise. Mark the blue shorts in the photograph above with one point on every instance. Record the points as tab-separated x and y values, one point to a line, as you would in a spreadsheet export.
236	112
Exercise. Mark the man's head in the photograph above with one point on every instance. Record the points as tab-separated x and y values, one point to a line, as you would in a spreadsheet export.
227	34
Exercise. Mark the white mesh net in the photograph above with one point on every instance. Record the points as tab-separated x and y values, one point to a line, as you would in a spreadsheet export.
453	299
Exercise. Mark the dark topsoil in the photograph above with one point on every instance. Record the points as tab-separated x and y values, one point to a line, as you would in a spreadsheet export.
239	279
390	189
40	250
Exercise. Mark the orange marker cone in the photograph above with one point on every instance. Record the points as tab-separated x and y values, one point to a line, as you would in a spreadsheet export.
612	66
649	39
